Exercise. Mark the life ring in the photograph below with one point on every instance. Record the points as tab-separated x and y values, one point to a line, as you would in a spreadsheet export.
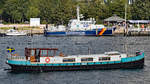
142	26
47	60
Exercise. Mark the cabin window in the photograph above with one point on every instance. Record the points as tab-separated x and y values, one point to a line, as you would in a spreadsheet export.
86	59
37	51
90	22
50	53
104	58
32	52
43	52
69	60
114	54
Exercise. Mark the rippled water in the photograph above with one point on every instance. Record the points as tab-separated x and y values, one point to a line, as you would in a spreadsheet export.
72	46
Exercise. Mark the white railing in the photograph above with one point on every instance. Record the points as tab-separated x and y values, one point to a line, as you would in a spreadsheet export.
17	58
138	29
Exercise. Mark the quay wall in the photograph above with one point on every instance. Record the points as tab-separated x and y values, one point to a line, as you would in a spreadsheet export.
40	30
23	27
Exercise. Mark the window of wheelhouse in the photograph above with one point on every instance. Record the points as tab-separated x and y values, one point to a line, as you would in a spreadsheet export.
104	59
69	60
32	52
51	53
86	59
43	53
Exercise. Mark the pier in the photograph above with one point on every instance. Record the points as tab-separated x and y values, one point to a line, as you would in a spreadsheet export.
29	32
40	30
22	27
138	32
132	31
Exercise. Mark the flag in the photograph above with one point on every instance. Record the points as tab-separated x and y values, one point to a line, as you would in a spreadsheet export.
10	50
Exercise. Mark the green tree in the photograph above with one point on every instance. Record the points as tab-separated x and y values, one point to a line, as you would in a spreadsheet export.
32	12
140	9
2	2
56	11
117	7
33	9
15	10
94	9
65	11
46	7
98	10
61	11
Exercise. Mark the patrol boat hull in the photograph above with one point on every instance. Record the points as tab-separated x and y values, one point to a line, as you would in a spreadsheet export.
98	32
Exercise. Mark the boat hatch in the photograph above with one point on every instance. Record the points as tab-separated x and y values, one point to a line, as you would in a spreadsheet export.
112	53
35	53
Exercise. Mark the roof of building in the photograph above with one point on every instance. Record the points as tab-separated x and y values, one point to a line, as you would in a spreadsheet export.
139	21
114	18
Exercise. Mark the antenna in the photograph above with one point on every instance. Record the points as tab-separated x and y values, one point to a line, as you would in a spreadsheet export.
126	17
126	27
89	50
78	17
125	14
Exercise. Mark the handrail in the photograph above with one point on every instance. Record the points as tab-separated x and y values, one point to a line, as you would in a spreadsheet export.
17	58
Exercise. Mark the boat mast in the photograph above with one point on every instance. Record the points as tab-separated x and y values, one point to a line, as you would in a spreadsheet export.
78	17
125	15
126	27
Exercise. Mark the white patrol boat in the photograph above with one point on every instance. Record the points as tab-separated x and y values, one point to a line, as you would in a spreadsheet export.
77	27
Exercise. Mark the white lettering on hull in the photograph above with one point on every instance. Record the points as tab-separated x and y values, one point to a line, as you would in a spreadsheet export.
75	33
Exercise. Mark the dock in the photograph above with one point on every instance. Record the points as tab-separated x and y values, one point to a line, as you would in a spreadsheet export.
138	32
132	31
29	32
119	31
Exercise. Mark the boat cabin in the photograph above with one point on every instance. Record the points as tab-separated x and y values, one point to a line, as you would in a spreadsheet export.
48	55
74	24
34	54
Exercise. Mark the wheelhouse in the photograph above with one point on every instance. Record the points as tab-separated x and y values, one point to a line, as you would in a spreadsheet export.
34	54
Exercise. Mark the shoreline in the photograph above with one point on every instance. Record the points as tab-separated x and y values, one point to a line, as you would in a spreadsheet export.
40	30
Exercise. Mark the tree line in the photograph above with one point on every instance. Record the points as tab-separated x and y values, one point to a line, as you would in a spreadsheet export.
61	11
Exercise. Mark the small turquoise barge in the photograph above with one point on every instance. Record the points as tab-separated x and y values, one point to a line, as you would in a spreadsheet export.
45	59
